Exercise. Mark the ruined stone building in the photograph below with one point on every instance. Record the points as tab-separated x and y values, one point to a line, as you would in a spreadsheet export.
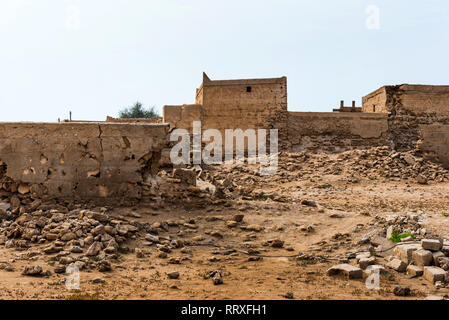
402	117
227	104
114	158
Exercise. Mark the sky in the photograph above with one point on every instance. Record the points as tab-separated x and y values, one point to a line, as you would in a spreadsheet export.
95	57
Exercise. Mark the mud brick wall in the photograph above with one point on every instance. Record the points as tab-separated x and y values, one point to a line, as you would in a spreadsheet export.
409	107
182	116
232	104
244	104
235	104
334	132
79	160
409	99
434	142
375	101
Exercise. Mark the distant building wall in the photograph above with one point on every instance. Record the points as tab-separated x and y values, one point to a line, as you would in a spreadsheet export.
244	104
134	120
391	115
375	102
416	99
330	131
234	104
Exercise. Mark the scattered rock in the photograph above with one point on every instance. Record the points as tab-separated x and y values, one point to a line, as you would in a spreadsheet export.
310	203
59	269
187	176
348	270
401	291
173	275
421	179
139	253
289	295
216	234
253	227
104	266
231	224
98	281
277	243
365	262
218	278
94	249
32	271
404	252
397	265
413	271
431	244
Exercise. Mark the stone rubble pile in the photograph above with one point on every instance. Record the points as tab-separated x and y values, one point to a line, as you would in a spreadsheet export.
89	239
245	180
430	259
84	238
417	254
382	161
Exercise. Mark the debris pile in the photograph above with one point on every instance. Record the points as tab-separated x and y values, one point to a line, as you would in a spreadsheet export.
84	238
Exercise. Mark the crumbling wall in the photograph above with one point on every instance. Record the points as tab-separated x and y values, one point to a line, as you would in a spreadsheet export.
434	142
182	116
410	99
420	99
334	132
79	160
412	106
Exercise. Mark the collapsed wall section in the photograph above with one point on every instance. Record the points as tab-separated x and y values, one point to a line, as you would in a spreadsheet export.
434	142
414	106
335	132
79	160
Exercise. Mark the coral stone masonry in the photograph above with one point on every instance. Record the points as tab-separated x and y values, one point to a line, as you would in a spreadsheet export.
85	160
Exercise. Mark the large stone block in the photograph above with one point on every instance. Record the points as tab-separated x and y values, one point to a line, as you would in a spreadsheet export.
436	257
404	252
348	270
367	261
414	271
431	244
422	257
434	274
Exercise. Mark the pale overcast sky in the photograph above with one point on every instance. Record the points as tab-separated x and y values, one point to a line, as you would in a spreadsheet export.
94	57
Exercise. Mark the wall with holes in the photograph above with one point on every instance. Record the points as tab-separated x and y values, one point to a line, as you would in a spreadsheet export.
78	160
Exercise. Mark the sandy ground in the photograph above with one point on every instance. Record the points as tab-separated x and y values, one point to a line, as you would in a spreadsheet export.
342	206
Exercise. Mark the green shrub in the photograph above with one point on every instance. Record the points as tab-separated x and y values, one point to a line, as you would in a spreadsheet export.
396	236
